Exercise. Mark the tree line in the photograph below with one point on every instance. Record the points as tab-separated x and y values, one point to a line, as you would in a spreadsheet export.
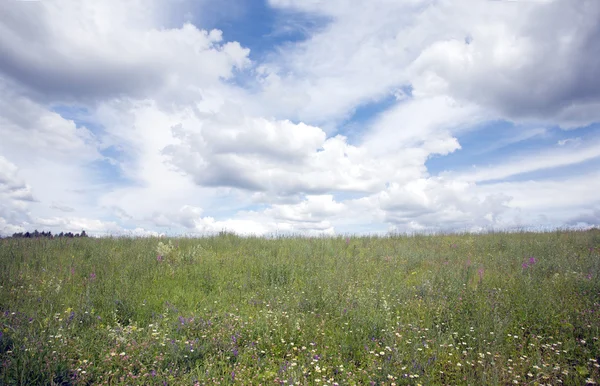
35	234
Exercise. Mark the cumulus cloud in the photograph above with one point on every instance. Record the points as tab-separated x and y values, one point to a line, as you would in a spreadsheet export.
591	218
27	126
521	60
192	222
84	50
436	203
281	158
15	195
313	209
185	133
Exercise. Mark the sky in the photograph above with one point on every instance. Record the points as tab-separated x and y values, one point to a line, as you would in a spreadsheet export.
304	117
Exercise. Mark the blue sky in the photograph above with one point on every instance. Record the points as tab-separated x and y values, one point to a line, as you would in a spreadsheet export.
288	116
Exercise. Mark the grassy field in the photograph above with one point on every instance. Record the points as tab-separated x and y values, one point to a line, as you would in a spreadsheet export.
493	309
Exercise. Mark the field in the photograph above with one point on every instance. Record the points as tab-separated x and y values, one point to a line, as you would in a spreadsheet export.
494	309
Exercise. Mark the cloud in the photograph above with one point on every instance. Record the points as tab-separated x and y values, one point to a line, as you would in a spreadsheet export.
540	160
436	203
175	128
192	222
542	69
227	148
592	217
15	195
486	53
62	207
86	50
30	131
313	209
92	227
563	142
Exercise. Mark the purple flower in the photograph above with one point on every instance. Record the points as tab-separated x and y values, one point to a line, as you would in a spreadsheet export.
233	375
153	373
532	260
181	320
480	272
159	258
92	275
235	351
72	271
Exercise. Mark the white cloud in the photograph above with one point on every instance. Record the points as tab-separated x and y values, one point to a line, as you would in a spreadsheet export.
15	196
522	69
552	202
30	132
436	203
280	158
192	151
83	50
563	142
540	160
313	209
525	60
192	222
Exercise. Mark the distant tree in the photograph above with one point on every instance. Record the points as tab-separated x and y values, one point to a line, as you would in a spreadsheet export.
46	234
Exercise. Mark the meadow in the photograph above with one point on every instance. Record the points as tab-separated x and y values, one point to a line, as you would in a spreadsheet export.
492	309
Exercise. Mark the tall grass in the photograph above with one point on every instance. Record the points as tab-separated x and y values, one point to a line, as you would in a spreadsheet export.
495	309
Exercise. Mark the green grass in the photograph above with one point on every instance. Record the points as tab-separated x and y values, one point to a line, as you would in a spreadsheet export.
495	309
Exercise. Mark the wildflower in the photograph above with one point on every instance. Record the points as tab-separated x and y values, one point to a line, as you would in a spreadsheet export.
532	260
159	258
480	272
92	276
